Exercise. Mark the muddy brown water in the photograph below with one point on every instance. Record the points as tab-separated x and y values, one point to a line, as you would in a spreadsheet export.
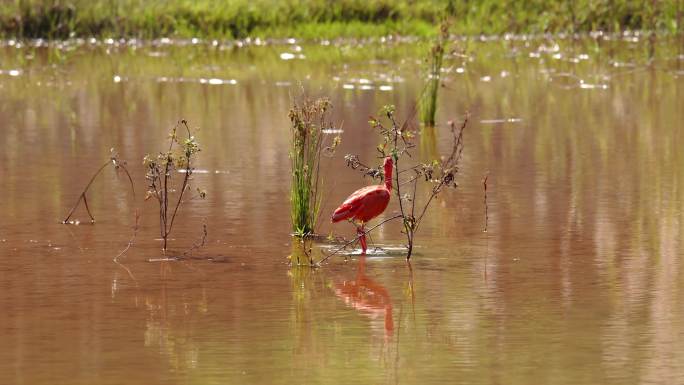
578	279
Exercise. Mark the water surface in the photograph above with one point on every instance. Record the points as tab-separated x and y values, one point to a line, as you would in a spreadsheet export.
578	279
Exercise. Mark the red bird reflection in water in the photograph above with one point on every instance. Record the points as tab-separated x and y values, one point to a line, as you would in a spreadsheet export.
367	296
366	203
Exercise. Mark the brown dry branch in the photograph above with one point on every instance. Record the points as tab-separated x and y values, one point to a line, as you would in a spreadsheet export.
114	161
486	206
118	164
199	244
136	226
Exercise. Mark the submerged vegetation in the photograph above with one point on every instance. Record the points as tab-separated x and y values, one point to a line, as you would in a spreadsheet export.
325	19
309	119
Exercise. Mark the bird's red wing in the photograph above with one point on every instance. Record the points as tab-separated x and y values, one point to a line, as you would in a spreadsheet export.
351	206
373	203
364	204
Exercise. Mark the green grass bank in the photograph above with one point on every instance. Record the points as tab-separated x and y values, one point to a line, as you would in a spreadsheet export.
326	18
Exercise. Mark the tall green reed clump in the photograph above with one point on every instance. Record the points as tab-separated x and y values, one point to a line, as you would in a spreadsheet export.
428	99
309	120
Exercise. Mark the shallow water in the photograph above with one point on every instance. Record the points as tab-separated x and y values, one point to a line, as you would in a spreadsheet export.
578	279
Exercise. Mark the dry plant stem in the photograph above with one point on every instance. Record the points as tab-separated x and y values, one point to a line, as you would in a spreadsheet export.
128	246
199	244
114	161
132	239
452	161
137	217
486	206
187	173
136	225
160	187
395	134
82	197
486	222
407	227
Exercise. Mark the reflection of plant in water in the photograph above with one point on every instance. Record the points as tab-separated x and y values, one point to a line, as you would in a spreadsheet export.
302	251
396	142
168	325
160	172
308	286
428	144
309	120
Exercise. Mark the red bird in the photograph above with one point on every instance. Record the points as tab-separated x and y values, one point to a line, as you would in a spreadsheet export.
366	203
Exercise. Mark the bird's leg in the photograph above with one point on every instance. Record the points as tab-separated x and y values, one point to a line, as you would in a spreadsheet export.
362	238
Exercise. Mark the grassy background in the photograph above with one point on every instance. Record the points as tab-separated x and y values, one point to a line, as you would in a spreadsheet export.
326	18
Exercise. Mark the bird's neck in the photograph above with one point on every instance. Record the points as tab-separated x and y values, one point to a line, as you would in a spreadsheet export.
388	177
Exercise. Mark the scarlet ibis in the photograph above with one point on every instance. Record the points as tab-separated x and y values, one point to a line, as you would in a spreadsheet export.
366	203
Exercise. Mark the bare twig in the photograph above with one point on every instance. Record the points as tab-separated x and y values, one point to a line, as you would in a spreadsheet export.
486	222
448	167
486	206
82	197
128	246
199	244
118	164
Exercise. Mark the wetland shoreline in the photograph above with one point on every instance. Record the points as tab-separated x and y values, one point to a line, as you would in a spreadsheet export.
50	19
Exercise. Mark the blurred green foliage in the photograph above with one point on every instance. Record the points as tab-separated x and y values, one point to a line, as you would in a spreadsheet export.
325	18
